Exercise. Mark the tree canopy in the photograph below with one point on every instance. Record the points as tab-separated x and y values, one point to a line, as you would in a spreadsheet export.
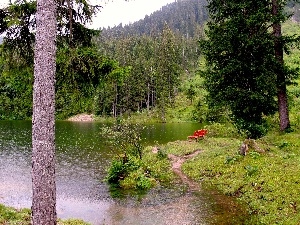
241	65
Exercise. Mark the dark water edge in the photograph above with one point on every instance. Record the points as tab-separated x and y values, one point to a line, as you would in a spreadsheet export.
81	192
226	210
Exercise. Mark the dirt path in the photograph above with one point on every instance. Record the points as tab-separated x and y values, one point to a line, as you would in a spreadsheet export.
177	162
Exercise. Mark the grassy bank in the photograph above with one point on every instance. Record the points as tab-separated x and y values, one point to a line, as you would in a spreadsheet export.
12	216
268	182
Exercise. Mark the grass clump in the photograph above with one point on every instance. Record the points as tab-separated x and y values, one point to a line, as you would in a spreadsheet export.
135	167
9	215
72	222
133	173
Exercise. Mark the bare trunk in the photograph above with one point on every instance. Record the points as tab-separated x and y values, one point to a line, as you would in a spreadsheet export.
116	101
283	108
163	117
43	122
70	6
148	97
153	98
281	82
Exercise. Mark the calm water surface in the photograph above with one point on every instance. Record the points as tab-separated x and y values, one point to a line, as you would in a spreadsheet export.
81	162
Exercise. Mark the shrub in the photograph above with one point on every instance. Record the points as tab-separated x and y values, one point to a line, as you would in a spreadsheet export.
132	169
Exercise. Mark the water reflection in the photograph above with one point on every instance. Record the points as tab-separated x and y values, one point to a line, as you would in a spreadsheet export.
81	161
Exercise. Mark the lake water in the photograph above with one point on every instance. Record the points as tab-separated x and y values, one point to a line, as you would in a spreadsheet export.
81	162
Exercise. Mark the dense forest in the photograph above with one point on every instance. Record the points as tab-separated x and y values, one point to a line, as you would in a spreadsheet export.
108	73
183	17
152	65
161	50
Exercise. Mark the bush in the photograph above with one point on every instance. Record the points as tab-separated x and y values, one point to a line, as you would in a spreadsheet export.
132	169
222	130
253	129
133	173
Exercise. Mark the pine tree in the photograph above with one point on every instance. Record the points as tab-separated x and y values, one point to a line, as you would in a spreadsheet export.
245	61
240	62
167	70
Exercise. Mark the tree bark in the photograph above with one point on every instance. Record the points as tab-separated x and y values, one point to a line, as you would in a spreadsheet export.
281	81
43	121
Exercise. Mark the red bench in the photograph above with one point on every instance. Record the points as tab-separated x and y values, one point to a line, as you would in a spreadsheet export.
198	134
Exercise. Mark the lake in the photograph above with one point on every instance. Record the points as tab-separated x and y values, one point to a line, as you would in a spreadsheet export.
81	162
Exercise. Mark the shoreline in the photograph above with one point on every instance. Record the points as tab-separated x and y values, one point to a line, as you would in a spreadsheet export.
83	117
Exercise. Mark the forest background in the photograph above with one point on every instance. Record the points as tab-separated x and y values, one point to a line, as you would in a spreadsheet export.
153	66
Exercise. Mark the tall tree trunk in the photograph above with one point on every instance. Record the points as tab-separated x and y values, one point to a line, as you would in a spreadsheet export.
281	82
148	97
70	6
43	123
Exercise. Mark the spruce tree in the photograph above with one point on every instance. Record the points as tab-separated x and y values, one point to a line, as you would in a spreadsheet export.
239	59
242	68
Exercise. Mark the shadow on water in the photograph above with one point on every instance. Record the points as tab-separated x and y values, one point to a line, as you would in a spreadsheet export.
81	162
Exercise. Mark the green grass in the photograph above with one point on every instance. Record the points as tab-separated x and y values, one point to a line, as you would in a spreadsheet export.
72	222
12	216
268	183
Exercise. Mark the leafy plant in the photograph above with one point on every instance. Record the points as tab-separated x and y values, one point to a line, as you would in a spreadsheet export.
254	155
125	137
230	159
251	170
131	169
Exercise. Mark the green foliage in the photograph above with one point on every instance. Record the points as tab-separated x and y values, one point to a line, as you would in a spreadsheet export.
131	173
12	216
16	93
127	170
175	148
79	65
223	130
117	171
19	25
80	73
144	76
191	93
241	65
129	76
251	129
168	70
138	179
135	168
157	63
251	170
125	137
231	159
